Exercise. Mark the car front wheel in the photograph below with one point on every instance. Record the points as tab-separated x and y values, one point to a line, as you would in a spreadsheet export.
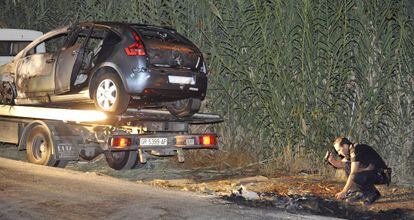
7	93
109	94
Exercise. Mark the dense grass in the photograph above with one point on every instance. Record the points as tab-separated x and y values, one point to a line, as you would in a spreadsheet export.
288	76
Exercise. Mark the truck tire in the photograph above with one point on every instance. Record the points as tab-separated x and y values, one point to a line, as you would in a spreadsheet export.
184	108
122	160
109	94
39	147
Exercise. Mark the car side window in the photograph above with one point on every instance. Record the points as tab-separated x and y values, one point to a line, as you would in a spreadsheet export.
55	43
97	38
82	37
79	35
52	45
106	49
112	38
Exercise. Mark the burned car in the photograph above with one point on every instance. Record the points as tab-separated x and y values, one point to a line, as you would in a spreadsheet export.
114	65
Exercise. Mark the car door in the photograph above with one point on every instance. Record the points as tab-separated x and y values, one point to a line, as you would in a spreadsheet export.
35	72
71	58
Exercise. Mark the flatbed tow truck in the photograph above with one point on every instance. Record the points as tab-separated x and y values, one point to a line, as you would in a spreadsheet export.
56	136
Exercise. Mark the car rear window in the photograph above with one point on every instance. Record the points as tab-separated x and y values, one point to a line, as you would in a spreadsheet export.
12	48
164	35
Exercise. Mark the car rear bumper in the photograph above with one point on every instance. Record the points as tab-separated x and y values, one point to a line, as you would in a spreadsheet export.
150	84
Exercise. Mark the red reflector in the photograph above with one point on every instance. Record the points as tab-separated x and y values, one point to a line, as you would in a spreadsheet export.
121	142
148	91
207	140
136	48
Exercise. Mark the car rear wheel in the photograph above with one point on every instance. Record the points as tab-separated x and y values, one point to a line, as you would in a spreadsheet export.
184	108
109	94
7	93
122	160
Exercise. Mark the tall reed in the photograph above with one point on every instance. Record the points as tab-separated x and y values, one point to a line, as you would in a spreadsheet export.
284	74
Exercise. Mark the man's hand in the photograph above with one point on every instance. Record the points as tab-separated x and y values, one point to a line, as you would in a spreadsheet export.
340	195
331	159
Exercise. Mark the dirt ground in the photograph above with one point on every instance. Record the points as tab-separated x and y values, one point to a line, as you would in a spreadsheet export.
300	193
29	191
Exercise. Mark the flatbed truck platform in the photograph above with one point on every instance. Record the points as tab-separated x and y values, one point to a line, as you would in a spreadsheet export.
56	136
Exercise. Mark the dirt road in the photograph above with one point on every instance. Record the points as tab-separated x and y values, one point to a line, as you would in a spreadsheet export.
29	191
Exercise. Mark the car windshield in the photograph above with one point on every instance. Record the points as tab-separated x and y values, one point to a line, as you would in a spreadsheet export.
12	48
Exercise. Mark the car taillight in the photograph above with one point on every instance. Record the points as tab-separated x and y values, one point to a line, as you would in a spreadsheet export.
207	140
136	48
121	142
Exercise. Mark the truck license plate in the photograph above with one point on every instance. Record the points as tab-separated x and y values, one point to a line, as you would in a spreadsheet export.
189	141
153	141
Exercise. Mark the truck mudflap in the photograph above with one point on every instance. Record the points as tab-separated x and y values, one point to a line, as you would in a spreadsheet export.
163	141
66	150
65	142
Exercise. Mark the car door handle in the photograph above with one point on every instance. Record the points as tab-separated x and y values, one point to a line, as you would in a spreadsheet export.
50	60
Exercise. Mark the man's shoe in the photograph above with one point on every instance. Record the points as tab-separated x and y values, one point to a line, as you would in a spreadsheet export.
352	197
372	197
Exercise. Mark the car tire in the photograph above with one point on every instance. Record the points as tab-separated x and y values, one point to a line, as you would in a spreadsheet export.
7	93
109	94
39	147
184	108
122	160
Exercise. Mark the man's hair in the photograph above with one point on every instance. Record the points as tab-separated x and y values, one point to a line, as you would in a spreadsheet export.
342	141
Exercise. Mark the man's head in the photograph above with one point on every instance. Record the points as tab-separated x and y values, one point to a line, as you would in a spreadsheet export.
341	145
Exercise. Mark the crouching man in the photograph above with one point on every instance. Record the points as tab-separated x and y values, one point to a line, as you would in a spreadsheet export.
364	168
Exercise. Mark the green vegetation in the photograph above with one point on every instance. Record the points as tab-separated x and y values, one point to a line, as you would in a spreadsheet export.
288	76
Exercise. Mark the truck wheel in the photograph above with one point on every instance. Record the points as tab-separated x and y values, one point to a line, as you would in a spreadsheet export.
7	93
109	94
39	146
184	108
122	160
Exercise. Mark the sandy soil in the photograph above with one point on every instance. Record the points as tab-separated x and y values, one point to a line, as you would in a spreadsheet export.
30	191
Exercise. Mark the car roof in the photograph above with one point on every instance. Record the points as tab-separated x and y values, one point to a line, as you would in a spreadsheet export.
122	25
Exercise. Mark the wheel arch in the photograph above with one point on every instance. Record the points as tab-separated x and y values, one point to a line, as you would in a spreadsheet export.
7	77
28	128
104	68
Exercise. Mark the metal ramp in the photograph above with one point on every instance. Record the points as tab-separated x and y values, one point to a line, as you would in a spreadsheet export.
70	115
97	117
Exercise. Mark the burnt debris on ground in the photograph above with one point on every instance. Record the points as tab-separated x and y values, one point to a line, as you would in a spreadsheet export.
315	205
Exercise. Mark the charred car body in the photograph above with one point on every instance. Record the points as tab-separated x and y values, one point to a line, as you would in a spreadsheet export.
115	65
